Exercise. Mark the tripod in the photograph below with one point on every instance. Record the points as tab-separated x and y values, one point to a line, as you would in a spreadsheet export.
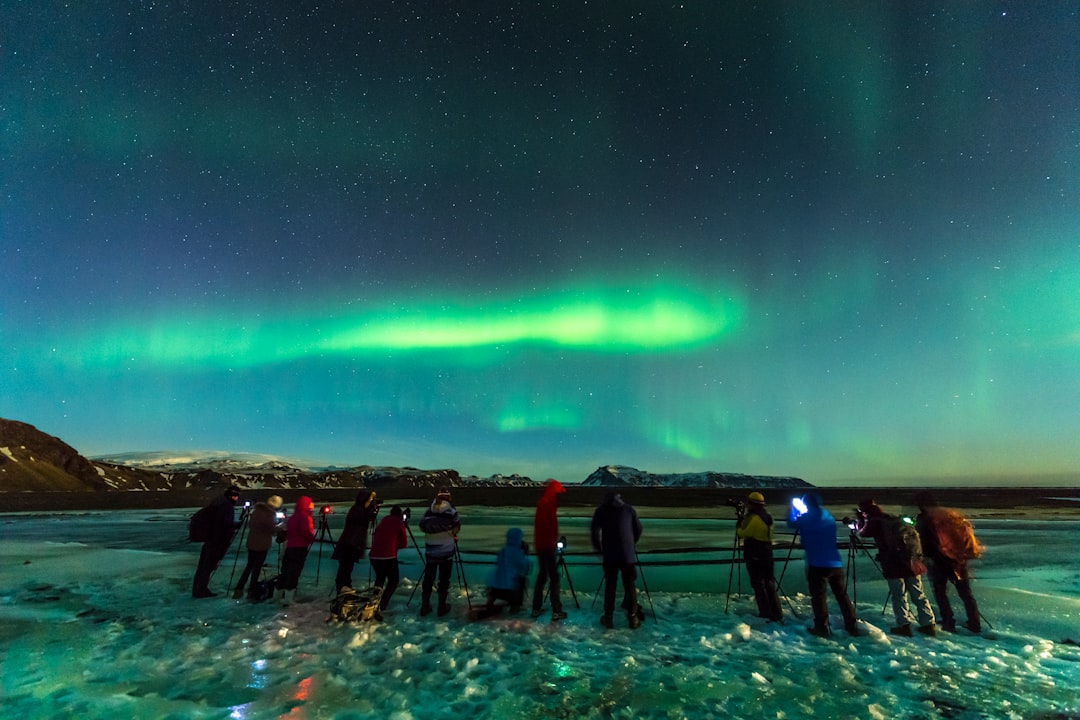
322	535
561	565
243	528
459	566
779	587
854	545
735	560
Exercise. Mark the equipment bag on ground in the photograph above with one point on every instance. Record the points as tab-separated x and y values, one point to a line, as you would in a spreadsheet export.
356	605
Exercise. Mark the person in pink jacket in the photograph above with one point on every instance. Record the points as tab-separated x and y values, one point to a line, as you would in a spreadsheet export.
299	535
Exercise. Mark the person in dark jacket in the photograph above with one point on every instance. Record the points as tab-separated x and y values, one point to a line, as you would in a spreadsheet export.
545	541
353	541
389	537
901	573
941	568
440	526
511	571
615	531
222	528
263	527
755	527
299	535
823	565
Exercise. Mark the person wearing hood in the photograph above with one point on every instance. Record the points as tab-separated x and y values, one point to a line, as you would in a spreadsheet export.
755	527
901	565
823	565
511	572
440	526
546	540
353	541
389	537
615	531
299	535
221	526
263	526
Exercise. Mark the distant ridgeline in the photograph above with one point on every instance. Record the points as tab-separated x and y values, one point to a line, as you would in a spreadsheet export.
623	476
32	461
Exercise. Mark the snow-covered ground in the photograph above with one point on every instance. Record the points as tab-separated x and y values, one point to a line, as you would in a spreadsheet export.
96	621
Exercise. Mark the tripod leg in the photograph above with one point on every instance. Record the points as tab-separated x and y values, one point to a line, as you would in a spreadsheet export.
645	584
419	582
461	575
569	582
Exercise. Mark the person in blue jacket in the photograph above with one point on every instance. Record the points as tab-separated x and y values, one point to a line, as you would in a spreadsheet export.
615	531
823	564
511	572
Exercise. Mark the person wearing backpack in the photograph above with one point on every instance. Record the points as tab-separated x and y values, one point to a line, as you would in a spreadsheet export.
900	555
217	533
948	542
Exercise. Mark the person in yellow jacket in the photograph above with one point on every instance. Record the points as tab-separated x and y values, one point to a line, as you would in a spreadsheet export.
755	528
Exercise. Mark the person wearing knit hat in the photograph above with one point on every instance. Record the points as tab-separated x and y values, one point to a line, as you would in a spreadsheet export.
755	528
263	526
440	526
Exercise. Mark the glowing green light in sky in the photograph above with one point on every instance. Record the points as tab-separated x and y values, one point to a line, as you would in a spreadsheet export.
625	321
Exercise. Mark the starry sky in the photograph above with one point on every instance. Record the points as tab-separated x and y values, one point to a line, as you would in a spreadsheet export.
833	240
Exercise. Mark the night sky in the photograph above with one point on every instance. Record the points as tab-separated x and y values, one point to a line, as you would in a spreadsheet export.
833	240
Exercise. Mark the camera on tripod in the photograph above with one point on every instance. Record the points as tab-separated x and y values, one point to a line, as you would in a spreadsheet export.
405	515
326	509
739	505
561	544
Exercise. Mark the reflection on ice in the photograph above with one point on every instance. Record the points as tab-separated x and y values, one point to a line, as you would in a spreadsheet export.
101	625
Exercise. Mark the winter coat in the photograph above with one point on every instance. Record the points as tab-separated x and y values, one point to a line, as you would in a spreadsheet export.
223	525
389	537
892	565
300	528
440	526
818	530
353	540
262	527
511	564
755	529
615	531
546	522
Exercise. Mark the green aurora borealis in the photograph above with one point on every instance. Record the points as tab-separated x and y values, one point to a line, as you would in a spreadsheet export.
839	243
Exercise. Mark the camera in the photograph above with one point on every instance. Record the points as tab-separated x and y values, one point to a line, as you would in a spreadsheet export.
405	515
326	509
561	544
798	506
739	505
280	515
247	504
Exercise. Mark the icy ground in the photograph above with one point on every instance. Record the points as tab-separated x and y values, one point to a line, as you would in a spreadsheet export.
96	621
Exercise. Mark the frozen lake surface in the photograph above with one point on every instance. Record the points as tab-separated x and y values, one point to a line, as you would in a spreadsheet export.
96	621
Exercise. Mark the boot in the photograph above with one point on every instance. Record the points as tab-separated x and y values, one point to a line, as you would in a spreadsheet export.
904	630
238	593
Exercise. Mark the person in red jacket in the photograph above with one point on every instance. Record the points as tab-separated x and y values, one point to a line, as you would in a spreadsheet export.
388	539
545	540
299	535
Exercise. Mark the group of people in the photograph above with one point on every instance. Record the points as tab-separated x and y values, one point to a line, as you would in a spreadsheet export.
938	543
930	546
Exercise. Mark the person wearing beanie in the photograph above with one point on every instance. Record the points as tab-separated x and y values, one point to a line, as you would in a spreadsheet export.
263	526
900	555
353	541
440	526
389	537
823	564
221	526
755	528
545	540
299	535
